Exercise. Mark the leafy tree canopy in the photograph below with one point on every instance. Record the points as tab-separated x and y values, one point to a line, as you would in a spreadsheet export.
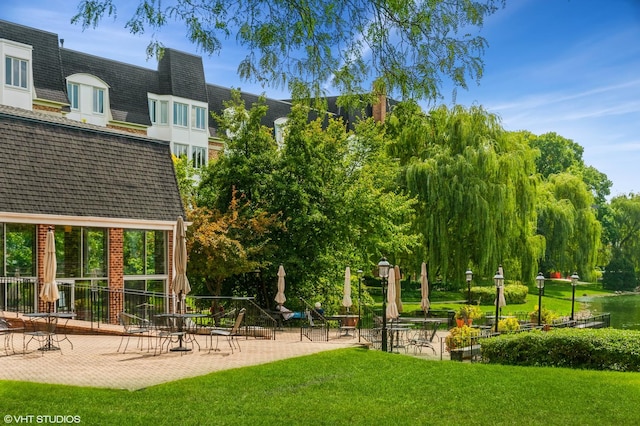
407	45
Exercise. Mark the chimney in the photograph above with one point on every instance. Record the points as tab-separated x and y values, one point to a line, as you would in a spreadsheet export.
61	42
380	108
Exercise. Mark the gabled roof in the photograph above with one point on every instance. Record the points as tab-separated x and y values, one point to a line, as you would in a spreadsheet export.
55	166
48	78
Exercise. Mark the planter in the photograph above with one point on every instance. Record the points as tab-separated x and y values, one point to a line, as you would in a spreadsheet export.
459	322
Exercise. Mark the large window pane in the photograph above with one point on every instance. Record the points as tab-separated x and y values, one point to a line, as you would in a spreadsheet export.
20	250
68	251
95	252
155	253
133	252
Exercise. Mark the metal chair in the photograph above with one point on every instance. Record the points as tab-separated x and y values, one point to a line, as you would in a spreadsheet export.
230	334
133	326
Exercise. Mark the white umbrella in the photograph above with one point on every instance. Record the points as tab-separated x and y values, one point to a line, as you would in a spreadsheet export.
280	297
424	289
180	283
49	292
346	299
392	308
398	288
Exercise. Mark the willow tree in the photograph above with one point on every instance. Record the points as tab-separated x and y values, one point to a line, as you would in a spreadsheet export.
475	186
568	222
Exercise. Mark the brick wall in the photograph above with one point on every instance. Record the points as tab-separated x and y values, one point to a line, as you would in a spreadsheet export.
116	273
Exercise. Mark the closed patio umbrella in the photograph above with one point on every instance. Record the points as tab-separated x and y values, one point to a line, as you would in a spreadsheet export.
49	291
392	308
398	288
346	298
180	284
280	297
424	289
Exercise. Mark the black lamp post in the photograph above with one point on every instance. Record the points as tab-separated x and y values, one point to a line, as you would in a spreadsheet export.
540	285
359	301
469	274
383	272
498	279
574	283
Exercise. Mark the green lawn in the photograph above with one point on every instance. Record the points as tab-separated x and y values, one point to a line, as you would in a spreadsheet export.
557	298
349	387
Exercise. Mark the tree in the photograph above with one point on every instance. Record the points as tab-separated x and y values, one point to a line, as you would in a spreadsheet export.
306	44
625	237
474	186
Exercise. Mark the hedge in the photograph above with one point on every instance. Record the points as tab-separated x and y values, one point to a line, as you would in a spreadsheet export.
514	294
594	349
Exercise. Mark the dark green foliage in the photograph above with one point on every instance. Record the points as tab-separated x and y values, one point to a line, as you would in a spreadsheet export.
594	349
619	274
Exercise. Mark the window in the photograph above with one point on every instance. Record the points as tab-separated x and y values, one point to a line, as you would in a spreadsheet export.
81	252
164	112
98	100
199	157
144	252
180	150
73	91
153	110
180	114
16	72
19	250
198	117
158	111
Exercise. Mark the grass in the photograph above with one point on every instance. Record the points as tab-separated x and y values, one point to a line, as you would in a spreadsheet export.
349	386
557	298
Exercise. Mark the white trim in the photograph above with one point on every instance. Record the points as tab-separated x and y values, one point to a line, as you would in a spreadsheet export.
102	222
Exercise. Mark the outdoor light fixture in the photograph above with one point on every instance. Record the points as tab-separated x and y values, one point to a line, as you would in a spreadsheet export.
574	283
540	285
498	279
383	273
360	277
469	274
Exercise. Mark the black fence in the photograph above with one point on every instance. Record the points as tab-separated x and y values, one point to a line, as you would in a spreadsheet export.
18	294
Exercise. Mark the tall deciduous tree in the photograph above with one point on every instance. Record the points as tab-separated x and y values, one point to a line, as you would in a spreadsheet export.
626	223
408	45
475	187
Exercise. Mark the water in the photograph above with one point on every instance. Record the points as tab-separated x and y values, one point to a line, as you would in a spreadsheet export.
624	310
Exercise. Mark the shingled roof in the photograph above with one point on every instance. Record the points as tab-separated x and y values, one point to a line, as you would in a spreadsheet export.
62	167
47	68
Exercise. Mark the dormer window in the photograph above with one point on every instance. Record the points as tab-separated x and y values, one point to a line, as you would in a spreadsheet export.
16	72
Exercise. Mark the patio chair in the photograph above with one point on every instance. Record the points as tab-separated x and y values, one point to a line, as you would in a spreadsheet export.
133	326
230	334
43	331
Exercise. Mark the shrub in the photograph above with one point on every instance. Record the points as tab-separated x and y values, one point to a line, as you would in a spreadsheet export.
460	337
514	294
508	324
546	316
468	312
595	349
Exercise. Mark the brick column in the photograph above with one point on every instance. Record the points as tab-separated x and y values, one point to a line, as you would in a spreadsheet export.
116	274
41	237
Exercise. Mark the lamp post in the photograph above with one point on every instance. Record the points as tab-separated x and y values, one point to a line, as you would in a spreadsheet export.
498	279
383	272
540	285
469	274
574	283
359	301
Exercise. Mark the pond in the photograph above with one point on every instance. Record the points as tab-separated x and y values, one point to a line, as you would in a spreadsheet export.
624	310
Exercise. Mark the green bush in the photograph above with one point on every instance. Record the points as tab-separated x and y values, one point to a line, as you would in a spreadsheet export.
593	349
514	294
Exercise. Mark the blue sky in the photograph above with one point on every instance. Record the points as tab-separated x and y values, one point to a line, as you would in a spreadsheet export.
565	66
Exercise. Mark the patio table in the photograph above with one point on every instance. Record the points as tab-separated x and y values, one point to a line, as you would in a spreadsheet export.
183	334
45	329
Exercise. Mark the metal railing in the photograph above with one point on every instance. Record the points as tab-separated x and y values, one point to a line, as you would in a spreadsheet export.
18	294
